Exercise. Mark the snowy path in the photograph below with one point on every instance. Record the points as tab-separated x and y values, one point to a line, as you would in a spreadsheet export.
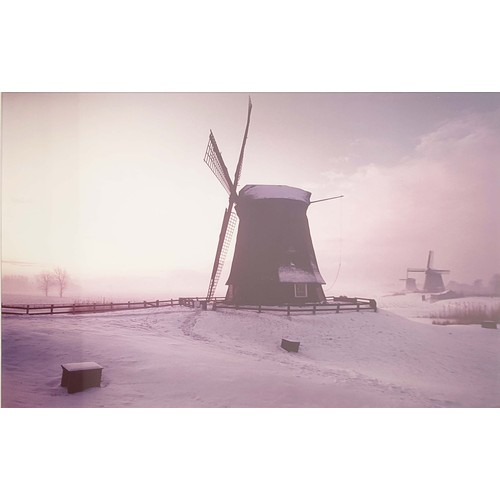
190	358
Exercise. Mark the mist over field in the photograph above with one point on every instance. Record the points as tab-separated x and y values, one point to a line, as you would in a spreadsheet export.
113	187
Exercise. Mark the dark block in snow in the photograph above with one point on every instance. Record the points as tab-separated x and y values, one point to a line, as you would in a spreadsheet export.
489	324
290	345
80	376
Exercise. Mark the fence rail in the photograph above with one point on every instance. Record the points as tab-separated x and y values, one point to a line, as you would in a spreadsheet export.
88	307
332	304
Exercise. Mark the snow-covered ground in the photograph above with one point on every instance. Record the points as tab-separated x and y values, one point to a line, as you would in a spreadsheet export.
177	357
412	306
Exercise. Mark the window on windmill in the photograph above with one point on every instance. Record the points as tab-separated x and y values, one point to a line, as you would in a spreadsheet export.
300	290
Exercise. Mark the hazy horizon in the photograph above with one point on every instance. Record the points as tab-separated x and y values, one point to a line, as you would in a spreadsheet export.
113	187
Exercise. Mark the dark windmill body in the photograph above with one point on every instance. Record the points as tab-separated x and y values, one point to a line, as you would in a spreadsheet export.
274	260
433	277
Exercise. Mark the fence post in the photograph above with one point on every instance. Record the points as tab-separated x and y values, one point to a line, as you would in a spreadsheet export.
260	307
27	309
314	309
157	303
288	310
51	308
338	308
128	304
172	302
357	307
74	309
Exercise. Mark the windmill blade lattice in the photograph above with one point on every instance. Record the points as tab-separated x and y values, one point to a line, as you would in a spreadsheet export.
237	174
214	160
228	225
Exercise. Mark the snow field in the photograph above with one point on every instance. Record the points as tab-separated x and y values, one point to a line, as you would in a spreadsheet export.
191	358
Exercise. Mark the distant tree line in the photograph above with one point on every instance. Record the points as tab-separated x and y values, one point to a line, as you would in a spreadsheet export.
479	287
45	281
16	283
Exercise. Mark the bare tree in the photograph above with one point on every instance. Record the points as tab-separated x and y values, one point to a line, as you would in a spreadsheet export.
44	281
61	277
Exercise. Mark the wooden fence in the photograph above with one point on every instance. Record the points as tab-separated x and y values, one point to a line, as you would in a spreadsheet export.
332	304
78	308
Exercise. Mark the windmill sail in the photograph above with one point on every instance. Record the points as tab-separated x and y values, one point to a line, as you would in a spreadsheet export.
228	225
240	161
430	259
213	159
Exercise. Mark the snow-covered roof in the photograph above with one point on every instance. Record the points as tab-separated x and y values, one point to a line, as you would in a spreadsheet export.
262	192
86	365
292	274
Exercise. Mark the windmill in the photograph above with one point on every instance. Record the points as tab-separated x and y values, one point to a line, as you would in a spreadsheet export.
433	277
410	283
274	260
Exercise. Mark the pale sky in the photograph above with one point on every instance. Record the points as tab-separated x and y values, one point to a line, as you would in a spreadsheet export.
113	186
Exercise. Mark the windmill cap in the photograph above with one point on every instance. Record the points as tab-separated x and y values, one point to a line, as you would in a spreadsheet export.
266	192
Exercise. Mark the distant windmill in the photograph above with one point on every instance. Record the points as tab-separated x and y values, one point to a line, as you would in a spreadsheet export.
274	260
410	284
433	277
